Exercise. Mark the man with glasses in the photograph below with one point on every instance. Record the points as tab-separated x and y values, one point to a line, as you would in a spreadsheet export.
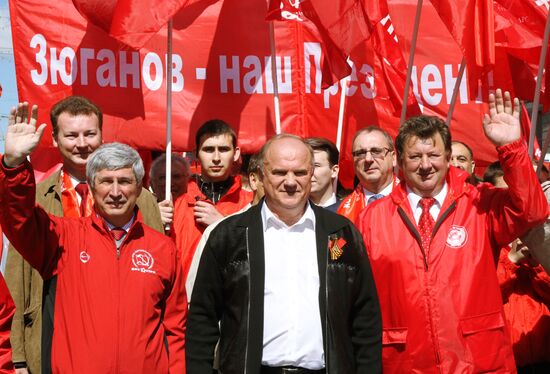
373	161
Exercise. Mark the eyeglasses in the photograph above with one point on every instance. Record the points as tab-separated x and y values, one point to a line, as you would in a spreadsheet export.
377	153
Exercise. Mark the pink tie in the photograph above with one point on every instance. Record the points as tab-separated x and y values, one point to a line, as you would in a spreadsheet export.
82	189
426	222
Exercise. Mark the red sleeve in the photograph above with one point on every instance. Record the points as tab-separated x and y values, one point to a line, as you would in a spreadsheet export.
27	226
175	319
523	205
7	309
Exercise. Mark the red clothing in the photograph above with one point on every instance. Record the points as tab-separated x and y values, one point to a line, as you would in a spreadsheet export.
7	309
114	309
187	232
442	311
353	204
526	297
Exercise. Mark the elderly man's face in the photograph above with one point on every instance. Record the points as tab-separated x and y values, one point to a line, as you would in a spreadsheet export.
287	176
425	164
178	183
461	158
115	193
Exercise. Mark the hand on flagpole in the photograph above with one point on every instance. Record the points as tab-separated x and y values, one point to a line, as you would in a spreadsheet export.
22	136
502	125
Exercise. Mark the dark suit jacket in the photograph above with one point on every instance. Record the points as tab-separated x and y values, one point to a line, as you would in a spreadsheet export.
229	288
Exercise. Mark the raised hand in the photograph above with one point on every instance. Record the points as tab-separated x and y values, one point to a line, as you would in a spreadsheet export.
502	125
22	136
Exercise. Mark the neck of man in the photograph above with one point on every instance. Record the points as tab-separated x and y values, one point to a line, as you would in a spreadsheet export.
75	172
377	187
321	197
288	216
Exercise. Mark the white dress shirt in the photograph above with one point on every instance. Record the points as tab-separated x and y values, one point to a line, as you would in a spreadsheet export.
331	200
414	200
292	321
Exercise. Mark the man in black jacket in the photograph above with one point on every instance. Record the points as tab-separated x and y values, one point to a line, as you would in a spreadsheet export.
290	283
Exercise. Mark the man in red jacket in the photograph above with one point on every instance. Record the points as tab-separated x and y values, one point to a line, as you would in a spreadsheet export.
432	245
120	301
212	195
7	309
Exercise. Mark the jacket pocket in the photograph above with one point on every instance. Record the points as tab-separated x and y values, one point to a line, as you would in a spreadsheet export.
485	341
394	350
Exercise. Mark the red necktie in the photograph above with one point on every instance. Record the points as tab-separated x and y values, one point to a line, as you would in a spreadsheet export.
118	233
426	222
82	189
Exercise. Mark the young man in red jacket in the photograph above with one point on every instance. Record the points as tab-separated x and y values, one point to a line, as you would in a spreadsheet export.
120	301
212	195
432	245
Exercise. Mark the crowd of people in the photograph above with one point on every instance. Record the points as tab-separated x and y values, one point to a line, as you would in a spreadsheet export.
266	267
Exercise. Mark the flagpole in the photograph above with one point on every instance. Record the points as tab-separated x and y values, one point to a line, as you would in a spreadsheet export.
411	61
455	91
344	86
274	79
167	189
536	101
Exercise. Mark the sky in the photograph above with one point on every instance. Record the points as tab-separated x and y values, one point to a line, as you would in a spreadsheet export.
7	71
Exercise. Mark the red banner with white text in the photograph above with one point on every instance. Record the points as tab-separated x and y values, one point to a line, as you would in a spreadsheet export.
222	69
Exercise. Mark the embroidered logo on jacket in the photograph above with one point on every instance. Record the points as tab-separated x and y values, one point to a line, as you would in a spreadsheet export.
142	261
84	257
458	236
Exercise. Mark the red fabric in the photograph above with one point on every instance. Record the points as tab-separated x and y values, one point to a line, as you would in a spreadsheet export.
519	33
353	204
526	297
186	232
443	312
426	223
122	311
133	22
471	23
7	309
82	189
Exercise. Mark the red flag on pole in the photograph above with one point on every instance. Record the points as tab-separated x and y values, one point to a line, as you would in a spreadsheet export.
471	23
342	25
132	22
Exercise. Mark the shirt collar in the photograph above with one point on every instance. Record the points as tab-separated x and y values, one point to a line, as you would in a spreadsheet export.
414	199
386	191
126	227
269	219
331	200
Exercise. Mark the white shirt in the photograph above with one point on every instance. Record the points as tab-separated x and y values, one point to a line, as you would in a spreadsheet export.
414	200
386	191
292	321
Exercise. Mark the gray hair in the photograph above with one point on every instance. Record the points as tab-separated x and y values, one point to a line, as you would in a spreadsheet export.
160	162
114	156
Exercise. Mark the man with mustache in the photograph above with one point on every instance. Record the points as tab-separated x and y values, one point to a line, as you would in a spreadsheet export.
77	132
120	303
373	161
432	244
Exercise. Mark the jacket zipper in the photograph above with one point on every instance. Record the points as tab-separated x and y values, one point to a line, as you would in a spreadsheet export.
326	310
248	307
415	233
117	356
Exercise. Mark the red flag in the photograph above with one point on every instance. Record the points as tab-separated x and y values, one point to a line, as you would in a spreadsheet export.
132	22
519	33
394	67
342	25
471	23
